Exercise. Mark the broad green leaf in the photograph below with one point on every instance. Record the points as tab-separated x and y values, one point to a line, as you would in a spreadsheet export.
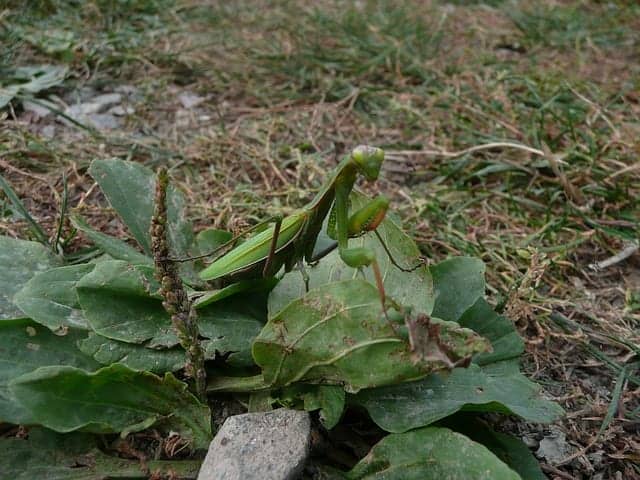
113	247
120	302
50	297
52	456
330	400
336	332
504	338
458	283
130	188
7	94
507	448
230	326
495	384
499	387
25	346
136	357
228	329
413	289
30	80
430	454
111	400
19	261
210	239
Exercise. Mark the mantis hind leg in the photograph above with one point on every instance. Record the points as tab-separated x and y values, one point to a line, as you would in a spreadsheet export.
367	219
273	246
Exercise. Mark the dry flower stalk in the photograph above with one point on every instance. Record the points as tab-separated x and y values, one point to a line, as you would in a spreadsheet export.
176	302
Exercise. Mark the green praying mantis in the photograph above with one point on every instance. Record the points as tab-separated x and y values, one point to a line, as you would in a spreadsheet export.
293	238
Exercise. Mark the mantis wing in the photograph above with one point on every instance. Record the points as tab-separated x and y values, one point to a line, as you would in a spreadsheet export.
256	249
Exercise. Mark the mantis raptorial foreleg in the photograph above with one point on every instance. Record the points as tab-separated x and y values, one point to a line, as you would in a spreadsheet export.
365	219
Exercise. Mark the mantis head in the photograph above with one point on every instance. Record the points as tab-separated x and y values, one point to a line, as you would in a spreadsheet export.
368	160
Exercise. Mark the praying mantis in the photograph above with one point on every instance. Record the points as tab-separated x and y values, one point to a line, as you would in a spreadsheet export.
293	238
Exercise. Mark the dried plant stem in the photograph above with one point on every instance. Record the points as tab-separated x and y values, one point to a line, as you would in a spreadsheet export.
476	148
176	302
621	256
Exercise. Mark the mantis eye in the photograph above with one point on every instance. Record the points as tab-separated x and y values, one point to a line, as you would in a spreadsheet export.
368	160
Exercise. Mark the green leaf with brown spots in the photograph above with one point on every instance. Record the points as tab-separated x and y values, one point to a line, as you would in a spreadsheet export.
114	399
498	387
337	334
430	454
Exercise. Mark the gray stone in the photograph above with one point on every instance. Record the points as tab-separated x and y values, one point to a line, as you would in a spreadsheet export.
554	447
79	110
190	100
121	111
102	121
80	95
39	109
259	446
126	89
48	131
530	441
97	104
107	99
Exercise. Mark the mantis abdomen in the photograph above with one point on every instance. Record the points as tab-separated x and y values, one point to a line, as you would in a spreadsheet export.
256	249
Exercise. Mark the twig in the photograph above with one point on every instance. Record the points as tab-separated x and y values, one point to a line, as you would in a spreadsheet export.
630	168
625	253
176	302
476	148
556	471
570	191
599	111
616	397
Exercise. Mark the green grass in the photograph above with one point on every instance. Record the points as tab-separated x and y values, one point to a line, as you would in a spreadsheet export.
573	25
98	39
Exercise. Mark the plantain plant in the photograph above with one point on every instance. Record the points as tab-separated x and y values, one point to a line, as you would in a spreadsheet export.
94	346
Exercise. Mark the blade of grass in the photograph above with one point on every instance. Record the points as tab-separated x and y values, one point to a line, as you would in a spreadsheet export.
40	234
63	211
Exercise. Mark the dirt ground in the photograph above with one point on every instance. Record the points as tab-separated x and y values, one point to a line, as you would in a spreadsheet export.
511	130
